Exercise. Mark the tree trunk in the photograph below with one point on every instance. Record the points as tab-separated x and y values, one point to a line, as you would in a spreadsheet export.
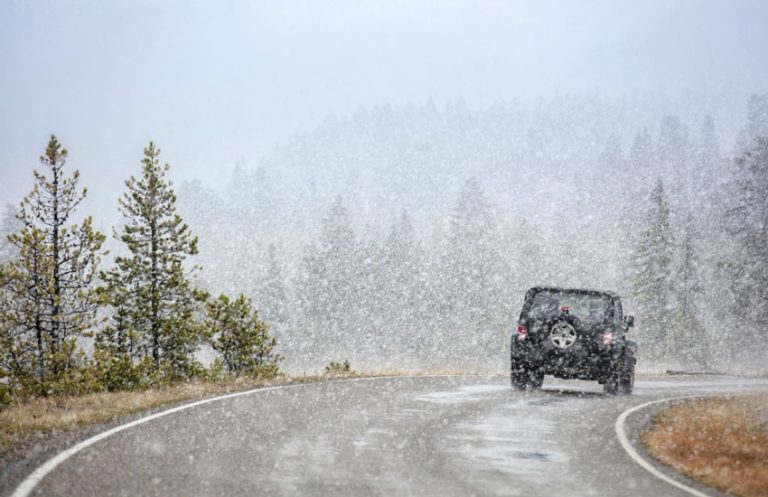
56	297
154	297
40	351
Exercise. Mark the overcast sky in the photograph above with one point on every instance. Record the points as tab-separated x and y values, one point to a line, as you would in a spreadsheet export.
216	82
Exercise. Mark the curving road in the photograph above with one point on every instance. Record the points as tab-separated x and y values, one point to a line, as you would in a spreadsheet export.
432	436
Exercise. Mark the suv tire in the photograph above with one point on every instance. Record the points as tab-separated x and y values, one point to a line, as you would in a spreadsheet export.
519	381
523	378
627	375
535	379
611	385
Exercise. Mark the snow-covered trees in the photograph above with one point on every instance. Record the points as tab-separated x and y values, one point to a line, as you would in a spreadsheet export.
402	288
652	284
667	286
746	222
472	276
691	343
567	180
47	299
326	287
149	289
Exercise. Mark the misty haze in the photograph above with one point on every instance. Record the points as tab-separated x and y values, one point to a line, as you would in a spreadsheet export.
232	192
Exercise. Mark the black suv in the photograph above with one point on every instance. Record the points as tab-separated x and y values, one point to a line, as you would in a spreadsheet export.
571	333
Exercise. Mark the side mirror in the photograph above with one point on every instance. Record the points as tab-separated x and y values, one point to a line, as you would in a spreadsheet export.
629	321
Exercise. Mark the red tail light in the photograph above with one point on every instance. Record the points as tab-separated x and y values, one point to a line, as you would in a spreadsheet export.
522	332
608	337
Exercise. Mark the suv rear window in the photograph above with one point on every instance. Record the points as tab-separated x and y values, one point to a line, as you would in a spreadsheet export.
586	306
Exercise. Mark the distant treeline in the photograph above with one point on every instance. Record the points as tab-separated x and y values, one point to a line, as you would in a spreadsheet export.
438	219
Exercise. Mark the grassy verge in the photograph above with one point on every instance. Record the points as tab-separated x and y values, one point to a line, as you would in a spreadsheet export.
722	442
47	414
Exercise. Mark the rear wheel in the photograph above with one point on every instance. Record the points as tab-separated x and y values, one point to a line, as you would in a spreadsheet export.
519	381
522	377
611	385
518	375
535	379
627	375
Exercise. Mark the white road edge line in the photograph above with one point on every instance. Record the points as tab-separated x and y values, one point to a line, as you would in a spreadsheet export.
26	487
621	433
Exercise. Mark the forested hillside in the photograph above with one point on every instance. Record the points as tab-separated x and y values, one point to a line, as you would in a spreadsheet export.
406	236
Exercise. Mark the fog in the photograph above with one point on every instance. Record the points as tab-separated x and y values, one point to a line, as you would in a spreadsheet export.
215	83
399	153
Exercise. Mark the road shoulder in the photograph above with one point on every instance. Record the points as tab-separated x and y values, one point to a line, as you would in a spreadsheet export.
633	424
721	441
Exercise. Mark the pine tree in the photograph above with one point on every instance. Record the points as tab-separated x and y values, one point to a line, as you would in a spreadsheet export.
746	223
47	291
367	309
24	345
400	261
472	249
241	337
400	296
691	343
473	296
326	286
641	163
652	282
153	300
25	301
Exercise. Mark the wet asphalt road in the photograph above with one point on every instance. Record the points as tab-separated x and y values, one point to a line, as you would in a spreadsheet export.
435	436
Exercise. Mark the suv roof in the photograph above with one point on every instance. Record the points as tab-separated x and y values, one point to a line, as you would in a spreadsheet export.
574	290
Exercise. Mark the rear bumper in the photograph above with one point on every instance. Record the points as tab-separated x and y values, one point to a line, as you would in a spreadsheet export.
580	361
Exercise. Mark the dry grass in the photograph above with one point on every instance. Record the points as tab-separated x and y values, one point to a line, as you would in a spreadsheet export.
722	442
43	415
